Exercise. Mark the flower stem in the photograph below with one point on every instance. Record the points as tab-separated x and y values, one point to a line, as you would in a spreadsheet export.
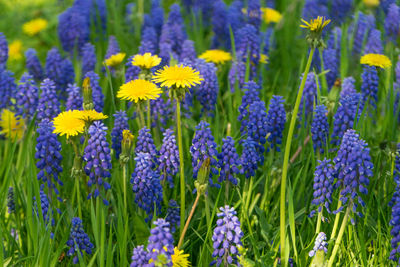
337	217
124	186
181	238
148	114
340	236
318	222
284	251
141	116
181	166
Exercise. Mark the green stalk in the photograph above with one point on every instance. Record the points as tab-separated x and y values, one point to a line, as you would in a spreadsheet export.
181	168
124	186
148	114
286	161
141	116
340	236
318	222
337	217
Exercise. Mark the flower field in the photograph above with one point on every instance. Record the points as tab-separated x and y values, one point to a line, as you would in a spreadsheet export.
200	133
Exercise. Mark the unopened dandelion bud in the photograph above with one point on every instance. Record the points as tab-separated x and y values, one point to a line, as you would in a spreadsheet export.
315	27
202	178
126	146
87	95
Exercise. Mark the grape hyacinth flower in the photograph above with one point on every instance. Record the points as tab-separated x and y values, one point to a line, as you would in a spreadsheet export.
235	16
340	10
324	177
251	94
207	91
330	63
374	43
354	168
48	156
89	59
3	49
227	237
7	87
348	112
97	91
48	105
168	162
27	96
131	72
10	200
157	16
360	29
98	160
74	99
139	257
395	232
78	240
257	125
173	215
369	86
276	119
161	243
188	53
33	64
250	157
203	147
254	13
237	74
59	70
309	95
228	161
146	185
44	205
120	124
113	47
161	111
248	42
148	43
320	128
320	244
348	86
392	22
145	144
219	25
313	9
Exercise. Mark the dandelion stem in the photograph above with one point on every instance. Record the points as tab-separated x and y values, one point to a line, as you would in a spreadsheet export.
318	222
181	166
340	236
286	161
148	114
181	238
337	217
124	186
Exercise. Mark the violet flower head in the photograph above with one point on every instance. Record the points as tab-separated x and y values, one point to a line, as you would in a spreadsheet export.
320	244
161	111
237	74
48	105
3	49
395	223
257	127
250	157
369	86
89	59
207	91
98	160
227	237
331	64
139	257
354	168
309	95
74	100
27	96
145	144
340	10
276	119
48	156
157	16
251	94
228	161
7	87
348	86
131	72
219	25
188	53
10	200
360	29
320	128
148	42
78	241
113	47
45	206
203	147
120	124
248	42
161	241
254	13
324	177
146	185
173	215
97	91
348	112
33	64
168	162
374	43
392	22
235	16
314	8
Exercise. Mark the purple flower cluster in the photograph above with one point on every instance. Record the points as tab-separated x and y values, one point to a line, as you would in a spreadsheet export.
257	127
98	159
45	206
48	105
309	95
220	28
48	155
161	241
168	162
374	43
78	240
203	147
148	43
161	111
324	177
395	232
254	13
348	86
7	87
331	64
173	215
113	47
120	124
131	72
250	157
188	53
89	59
146	185
360	29
139	257
27	96
276	119
228	161
354	168
74	99
248	42
97	91
145	144
251	94
33	64
369	86
227	237
392	22
320	244
3	49
10	200
237	74
320	128
340	10
207	91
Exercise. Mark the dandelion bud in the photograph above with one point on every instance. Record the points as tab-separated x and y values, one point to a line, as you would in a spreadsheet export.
126	146
87	95
202	179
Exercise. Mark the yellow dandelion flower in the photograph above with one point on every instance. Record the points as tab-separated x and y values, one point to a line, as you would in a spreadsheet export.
146	61
68	123
91	115
179	76
15	50
179	259
115	60
315	25
270	15
371	3
263	58
127	135
12	126
34	26
376	60
216	56
139	89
